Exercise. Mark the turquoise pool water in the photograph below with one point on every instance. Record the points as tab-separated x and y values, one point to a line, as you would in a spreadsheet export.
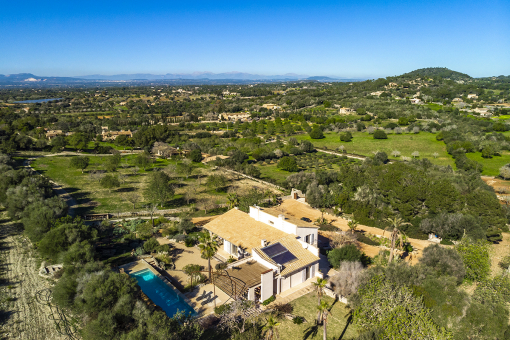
160	293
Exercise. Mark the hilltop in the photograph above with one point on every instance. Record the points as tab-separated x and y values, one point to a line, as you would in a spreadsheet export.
432	72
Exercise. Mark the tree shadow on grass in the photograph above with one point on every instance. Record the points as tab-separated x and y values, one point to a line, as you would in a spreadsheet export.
126	189
349	320
311	331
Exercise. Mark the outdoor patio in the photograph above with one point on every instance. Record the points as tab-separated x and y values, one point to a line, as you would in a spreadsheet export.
183	256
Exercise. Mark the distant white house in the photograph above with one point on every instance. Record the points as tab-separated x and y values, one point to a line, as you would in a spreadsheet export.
472	96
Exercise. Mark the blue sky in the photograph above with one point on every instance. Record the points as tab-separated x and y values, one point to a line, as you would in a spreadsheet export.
338	38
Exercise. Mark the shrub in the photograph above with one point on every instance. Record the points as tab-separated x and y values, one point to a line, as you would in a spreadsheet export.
349	252
365	239
381	157
195	156
346	282
445	261
189	242
298	320
505	262
269	300
220	266
316	133
475	255
150	245
180	237
346	137
380	134
288	164
225	308
280	309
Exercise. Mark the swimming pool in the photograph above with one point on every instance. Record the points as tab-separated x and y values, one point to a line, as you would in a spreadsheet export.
161	293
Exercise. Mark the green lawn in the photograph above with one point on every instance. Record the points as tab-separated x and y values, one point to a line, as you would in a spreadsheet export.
364	144
306	306
491	165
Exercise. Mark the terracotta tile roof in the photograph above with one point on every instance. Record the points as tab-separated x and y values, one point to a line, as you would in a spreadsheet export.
240	229
304	256
289	217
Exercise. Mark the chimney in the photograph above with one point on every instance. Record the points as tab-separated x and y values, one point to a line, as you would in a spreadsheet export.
263	243
281	217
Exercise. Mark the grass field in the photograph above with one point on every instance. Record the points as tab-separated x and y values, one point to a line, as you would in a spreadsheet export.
307	162
491	165
306	306
364	144
92	198
434	106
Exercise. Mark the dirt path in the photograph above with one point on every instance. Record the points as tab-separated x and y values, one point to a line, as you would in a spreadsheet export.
498	252
298	209
28	314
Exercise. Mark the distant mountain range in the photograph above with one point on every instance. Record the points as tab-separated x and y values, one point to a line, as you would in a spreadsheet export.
194	75
29	79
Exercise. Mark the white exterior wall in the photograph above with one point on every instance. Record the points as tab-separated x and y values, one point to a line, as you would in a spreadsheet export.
303	232
266	285
226	246
314	250
273	221
296	278
284	284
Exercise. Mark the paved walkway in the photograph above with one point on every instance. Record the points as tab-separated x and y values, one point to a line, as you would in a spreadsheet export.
294	292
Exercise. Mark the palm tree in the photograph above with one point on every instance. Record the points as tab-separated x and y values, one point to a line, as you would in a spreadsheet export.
324	308
352	224
232	200
208	246
269	329
319	286
395	222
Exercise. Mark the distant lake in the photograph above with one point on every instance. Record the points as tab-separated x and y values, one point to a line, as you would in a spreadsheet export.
37	101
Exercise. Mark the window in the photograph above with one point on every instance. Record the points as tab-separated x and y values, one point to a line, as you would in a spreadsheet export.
233	249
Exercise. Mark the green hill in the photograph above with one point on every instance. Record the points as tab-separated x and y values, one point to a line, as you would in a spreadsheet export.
442	72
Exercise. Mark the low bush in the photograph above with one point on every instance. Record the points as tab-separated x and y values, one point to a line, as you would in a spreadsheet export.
189	242
269	300
298	320
445	261
348	252
380	134
363	238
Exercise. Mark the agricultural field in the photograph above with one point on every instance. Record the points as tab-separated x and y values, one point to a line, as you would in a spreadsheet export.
91	197
307	162
364	144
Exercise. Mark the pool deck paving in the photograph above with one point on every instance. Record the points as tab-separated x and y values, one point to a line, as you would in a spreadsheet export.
183	256
201	299
142	264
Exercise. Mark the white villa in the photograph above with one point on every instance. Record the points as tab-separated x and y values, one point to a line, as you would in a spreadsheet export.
274	252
